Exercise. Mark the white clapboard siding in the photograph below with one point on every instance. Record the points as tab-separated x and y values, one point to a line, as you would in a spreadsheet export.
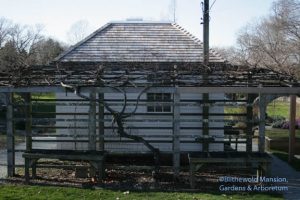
152	126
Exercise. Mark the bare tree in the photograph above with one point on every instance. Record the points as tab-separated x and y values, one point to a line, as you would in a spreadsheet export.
23	46
5	28
273	42
18	45
229	54
286	13
45	50
25	37
10	58
78	31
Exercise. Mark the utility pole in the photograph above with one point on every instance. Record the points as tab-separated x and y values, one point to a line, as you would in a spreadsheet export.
206	32
205	97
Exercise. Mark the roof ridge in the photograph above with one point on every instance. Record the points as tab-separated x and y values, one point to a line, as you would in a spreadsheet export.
139	22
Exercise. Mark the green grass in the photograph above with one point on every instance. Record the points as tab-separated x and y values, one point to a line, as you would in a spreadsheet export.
235	109
12	192
47	108
281	108
280	133
284	156
43	96
275	108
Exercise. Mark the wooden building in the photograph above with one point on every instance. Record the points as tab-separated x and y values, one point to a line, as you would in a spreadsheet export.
136	44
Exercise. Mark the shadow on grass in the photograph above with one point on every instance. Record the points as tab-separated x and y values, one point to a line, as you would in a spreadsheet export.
285	157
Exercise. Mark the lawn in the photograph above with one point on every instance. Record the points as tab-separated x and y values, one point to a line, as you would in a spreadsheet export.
275	108
280	133
43	96
12	192
281	108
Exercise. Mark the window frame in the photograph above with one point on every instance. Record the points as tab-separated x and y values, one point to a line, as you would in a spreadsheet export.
160	98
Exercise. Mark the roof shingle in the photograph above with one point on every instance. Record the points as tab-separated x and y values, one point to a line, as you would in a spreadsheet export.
138	42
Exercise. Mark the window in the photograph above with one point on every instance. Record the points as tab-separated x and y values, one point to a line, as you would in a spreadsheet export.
159	97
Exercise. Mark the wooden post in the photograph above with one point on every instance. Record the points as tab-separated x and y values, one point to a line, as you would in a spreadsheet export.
101	121
292	127
262	120
249	122
176	132
92	122
205	120
101	168
192	175
205	96
28	109
10	142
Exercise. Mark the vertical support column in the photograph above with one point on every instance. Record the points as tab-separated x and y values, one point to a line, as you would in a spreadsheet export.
101	168
262	120
205	120
176	132
28	110
249	122
101	121
10	136
28	136
92	121
292	127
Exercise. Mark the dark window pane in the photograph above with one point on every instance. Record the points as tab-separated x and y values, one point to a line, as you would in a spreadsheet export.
167	96
150	96
167	108
158	97
158	108
150	109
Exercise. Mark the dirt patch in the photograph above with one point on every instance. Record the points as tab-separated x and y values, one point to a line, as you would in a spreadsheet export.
124	178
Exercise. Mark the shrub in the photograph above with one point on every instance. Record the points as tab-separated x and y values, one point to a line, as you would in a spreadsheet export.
277	121
278	124
286	125
276	118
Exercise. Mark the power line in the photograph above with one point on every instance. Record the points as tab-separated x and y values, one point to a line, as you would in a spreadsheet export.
212	5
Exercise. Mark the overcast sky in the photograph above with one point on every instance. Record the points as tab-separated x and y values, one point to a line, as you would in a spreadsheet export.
57	16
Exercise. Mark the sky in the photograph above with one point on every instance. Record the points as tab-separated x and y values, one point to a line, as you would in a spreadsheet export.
228	17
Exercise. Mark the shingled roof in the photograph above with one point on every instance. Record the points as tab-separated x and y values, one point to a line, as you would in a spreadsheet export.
138	42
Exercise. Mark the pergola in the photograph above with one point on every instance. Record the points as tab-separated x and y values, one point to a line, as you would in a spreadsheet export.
125	78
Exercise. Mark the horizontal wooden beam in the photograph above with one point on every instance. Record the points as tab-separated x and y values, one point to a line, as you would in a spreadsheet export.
254	90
